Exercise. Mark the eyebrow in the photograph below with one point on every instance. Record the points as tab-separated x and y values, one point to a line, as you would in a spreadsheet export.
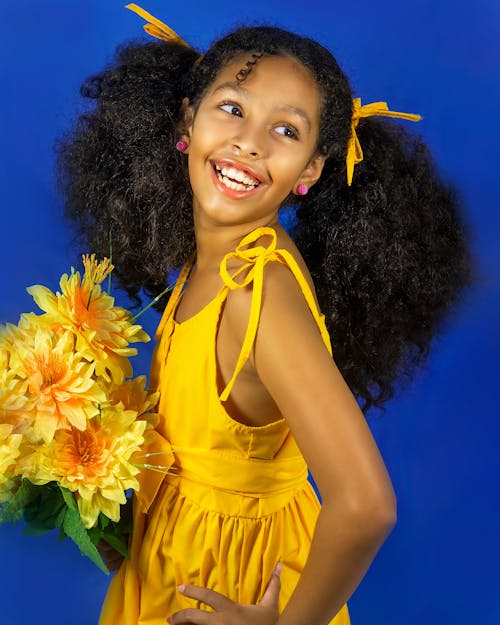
288	108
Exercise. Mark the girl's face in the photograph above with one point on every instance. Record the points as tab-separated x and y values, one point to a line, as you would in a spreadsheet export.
251	144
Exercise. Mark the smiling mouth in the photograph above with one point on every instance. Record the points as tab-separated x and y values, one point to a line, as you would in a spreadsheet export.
235	179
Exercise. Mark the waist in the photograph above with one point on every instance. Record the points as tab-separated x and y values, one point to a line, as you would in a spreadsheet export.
235	474
217	480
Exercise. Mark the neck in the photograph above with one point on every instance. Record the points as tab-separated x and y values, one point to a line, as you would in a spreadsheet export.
215	240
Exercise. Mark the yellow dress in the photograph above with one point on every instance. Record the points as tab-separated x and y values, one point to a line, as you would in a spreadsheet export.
236	499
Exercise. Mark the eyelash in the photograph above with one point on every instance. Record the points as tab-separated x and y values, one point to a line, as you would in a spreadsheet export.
294	136
232	106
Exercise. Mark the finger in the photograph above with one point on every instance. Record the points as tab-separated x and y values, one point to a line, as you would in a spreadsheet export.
114	565
271	596
190	615
103	546
214	599
111	557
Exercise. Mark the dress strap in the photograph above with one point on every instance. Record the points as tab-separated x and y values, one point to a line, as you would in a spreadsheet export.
174	297
165	328
254	259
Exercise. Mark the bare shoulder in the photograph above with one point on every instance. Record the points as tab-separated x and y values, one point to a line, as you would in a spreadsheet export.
281	290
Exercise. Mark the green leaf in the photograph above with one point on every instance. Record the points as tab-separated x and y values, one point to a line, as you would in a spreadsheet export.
126	526
61	535
118	542
46	512
69	498
95	534
24	495
60	517
34	529
103	520
75	529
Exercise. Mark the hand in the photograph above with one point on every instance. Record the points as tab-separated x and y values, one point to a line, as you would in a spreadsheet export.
112	559
229	612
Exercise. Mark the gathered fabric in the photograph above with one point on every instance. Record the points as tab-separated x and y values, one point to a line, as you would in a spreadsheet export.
234	500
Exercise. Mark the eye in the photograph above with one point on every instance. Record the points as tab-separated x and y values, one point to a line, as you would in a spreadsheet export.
232	109
287	131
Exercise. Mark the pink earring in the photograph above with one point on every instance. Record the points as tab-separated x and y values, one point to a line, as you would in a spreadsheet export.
302	189
181	146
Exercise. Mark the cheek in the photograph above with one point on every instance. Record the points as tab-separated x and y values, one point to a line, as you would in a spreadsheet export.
206	119
290	169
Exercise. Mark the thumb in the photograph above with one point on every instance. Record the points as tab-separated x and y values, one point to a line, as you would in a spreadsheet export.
271	596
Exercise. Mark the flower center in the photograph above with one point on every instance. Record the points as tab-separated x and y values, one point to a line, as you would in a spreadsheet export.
87	447
52	369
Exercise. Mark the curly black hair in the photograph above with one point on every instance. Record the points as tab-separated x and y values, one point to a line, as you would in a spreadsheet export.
389	255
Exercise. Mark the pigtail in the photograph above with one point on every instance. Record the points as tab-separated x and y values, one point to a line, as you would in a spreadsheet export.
388	256
123	181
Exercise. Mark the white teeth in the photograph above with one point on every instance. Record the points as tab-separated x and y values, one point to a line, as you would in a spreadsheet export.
231	184
238	175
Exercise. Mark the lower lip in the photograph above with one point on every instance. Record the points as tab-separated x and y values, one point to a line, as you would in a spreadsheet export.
232	193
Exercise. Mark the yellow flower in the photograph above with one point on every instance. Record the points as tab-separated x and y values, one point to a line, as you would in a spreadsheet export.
4	353
9	452
15	406
133	395
94	463
103	330
59	383
95	272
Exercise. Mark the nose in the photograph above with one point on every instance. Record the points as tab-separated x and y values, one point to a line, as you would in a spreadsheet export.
250	141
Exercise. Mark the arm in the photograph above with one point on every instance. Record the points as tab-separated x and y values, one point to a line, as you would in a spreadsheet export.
358	501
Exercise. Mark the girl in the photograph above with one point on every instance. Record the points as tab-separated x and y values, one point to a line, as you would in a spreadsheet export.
186	161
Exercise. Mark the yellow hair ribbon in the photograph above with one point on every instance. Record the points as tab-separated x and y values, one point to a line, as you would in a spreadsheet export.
155	28
354	151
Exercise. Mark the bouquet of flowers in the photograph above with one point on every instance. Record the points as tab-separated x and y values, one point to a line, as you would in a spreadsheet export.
72	420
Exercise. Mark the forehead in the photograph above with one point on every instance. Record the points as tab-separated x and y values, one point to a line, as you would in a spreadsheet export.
272	77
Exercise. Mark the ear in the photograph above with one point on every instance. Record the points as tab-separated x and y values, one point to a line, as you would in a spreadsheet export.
312	172
185	125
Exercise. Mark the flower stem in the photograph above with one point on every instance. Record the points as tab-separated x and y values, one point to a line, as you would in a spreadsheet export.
151	303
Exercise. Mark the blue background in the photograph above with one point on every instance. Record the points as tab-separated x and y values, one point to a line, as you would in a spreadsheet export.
439	437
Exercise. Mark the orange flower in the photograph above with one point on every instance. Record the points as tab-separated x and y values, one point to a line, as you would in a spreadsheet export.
9	452
103	330
59	383
94	463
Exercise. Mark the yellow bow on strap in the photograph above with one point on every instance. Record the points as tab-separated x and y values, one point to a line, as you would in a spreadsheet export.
156	28
354	151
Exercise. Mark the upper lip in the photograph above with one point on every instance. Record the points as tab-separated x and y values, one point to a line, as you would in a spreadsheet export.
228	162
